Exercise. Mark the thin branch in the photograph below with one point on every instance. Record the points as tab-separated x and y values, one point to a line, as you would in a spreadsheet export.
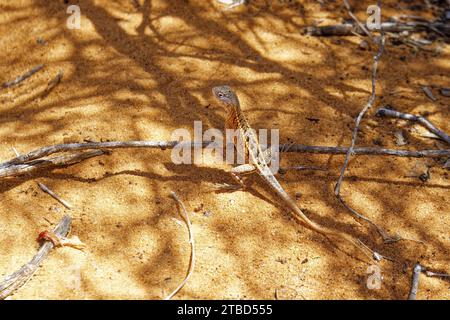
348	29
55	81
22	77
387	112
428	93
359	23
415	282
54	195
386	237
46	151
437	274
360	151
34	165
184	214
284	170
360	116
15	151
350	151
16	280
32	161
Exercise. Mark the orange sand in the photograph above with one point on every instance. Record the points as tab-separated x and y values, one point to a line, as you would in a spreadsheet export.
136	72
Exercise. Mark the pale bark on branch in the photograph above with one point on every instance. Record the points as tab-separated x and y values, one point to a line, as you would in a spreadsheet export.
388	112
35	160
16	280
349	29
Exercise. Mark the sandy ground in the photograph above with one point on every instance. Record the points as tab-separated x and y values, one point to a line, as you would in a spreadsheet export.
138	70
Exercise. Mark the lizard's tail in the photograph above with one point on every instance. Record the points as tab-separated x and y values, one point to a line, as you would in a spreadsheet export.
299	215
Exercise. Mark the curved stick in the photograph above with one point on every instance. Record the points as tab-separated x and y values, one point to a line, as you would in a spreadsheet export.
16	280
186	219
385	112
22	77
415	281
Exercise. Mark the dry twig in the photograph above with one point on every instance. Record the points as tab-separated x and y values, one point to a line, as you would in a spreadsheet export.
54	195
184	214
37	164
428	93
415	281
350	151
359	23
22	77
46	151
437	274
388	112
16	280
348	29
15	151
55	81
32	161
359	118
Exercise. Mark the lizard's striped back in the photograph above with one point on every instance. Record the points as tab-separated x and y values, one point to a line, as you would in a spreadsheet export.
237	120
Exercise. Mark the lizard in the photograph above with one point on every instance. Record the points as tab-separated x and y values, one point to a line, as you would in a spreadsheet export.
258	162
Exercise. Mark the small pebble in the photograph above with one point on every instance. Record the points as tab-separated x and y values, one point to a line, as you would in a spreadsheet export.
445	92
281	260
428	93
207	213
41	41
377	256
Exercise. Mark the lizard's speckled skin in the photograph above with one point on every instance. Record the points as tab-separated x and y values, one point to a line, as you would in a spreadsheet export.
236	120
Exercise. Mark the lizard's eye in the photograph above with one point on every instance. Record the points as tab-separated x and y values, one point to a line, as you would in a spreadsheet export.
220	95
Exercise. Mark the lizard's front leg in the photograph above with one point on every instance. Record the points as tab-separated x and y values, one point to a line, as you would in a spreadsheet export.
236	173
243	169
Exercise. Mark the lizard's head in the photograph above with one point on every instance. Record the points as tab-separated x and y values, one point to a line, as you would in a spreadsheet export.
226	96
